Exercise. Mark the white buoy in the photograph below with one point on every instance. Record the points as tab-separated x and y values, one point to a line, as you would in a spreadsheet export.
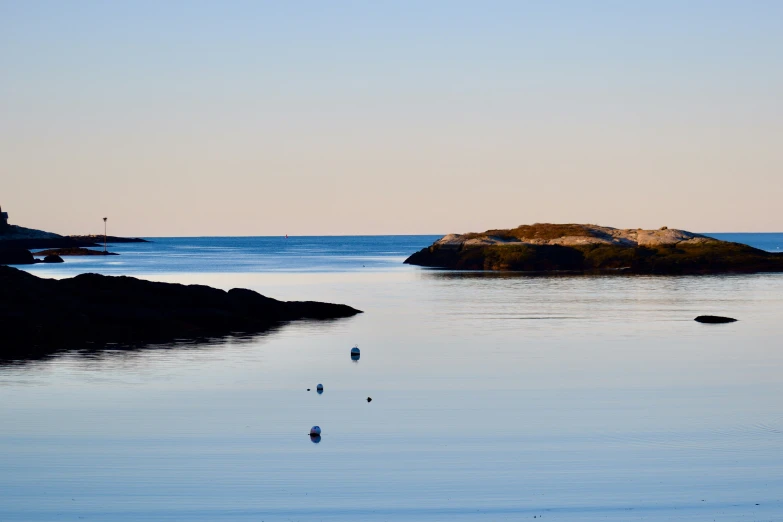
315	431
355	350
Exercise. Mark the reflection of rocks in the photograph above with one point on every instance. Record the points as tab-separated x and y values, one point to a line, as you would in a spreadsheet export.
36	313
134	353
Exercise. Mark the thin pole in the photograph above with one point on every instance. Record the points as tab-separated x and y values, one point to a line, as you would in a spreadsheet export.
104	235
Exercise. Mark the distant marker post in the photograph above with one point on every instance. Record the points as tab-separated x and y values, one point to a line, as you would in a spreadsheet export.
104	235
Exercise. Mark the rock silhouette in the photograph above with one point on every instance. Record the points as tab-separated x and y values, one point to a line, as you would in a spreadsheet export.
74	251
16	256
101	309
714	319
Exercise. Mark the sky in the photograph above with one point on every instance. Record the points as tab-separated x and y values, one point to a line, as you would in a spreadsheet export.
189	118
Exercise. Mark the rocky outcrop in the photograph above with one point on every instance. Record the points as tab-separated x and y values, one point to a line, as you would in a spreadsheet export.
74	251
575	235
545	247
15	236
22	256
93	239
16	256
714	319
40	314
15	232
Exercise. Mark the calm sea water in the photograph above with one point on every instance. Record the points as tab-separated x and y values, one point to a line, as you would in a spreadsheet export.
495	397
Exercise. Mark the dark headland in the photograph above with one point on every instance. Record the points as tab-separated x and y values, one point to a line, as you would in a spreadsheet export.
548	248
74	251
38	314
16	243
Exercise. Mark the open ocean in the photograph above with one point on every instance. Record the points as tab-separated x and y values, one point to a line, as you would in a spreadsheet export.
495	397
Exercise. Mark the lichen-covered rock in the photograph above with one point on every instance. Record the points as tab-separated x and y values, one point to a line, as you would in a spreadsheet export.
546	247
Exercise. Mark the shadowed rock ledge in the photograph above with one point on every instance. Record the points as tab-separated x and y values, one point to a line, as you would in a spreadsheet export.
74	251
36	312
545	247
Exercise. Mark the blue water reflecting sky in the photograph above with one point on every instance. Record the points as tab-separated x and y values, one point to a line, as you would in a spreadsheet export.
494	398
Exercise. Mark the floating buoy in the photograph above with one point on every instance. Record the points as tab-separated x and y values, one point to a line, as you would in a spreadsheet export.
308	389
369	399
319	388
355	350
315	431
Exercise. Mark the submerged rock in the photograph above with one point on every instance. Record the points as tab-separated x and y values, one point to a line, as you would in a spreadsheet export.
714	319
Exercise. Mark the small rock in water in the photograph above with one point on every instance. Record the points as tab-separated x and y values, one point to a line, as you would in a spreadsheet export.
714	319
319	389
369	399
315	431
355	350
308	389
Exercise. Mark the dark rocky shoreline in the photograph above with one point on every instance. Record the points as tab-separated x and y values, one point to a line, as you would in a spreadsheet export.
46	315
93	240
74	251
36	243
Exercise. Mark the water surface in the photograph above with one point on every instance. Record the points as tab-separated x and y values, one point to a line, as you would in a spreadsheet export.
495	397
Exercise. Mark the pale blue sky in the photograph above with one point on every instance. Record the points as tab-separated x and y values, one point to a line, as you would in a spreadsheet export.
191	118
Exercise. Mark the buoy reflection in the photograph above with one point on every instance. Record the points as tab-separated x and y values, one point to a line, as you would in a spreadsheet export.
315	439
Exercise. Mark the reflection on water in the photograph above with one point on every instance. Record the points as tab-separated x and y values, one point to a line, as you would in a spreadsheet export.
494	397
126	353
